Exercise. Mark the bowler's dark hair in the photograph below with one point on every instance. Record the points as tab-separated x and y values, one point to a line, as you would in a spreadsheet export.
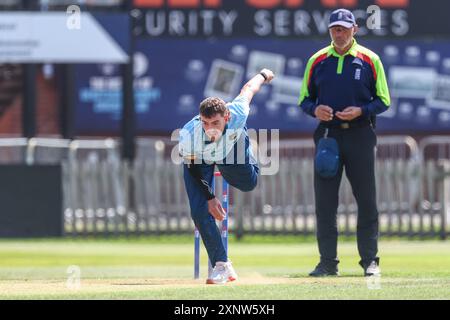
212	106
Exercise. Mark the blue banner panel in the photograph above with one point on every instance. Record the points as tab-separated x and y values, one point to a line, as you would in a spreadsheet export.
99	86
174	76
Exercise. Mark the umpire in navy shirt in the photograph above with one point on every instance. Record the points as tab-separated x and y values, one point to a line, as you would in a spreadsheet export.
344	86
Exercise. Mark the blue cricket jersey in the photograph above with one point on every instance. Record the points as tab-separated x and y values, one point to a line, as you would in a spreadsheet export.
233	145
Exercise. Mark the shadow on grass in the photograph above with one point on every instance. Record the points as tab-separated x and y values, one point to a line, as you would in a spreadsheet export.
305	275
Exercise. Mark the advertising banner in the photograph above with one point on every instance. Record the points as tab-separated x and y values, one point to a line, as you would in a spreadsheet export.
58	37
173	77
289	18
186	50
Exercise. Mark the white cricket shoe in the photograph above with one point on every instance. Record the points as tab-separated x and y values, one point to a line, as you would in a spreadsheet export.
373	269
222	273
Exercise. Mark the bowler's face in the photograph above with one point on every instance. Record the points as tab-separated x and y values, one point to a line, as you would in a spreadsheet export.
214	126
341	36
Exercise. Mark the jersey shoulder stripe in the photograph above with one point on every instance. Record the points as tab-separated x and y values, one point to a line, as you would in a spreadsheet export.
315	59
369	57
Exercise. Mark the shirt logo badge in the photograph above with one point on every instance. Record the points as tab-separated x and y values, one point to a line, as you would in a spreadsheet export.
358	74
233	137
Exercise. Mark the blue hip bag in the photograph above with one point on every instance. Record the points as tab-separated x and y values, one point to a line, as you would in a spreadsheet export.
327	157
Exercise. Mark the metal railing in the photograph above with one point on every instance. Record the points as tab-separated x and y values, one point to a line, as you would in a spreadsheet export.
434	195
106	195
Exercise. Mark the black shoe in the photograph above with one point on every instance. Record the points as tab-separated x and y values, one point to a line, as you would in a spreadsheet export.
371	268
322	270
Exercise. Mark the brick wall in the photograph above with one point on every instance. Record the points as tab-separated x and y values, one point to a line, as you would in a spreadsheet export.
47	114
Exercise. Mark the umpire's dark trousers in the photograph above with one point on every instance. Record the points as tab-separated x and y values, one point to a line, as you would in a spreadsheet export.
357	155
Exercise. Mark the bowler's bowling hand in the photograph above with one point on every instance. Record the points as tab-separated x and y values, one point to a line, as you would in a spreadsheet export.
349	113
269	75
215	209
324	113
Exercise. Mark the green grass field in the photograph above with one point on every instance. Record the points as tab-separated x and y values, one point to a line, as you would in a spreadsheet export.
152	268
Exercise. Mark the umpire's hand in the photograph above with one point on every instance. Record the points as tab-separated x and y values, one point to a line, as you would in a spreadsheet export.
324	113
349	113
215	209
